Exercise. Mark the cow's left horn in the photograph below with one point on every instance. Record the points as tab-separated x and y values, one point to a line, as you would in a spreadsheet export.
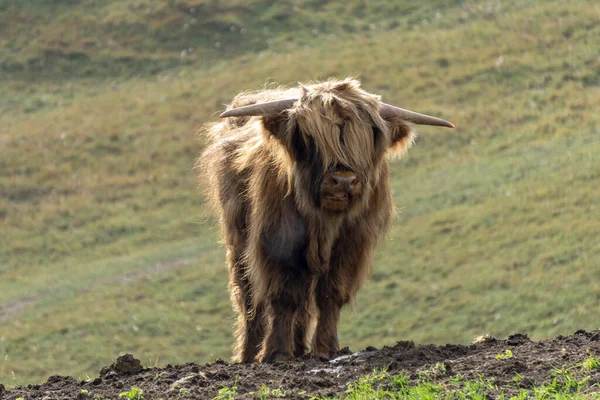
388	111
268	108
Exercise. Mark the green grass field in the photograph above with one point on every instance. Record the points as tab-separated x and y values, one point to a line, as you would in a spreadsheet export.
105	246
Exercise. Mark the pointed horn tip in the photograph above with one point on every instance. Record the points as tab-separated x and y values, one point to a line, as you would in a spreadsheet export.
443	123
227	113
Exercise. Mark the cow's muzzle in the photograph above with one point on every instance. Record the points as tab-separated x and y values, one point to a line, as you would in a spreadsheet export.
339	189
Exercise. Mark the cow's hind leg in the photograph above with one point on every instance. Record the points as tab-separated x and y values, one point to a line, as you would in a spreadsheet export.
250	331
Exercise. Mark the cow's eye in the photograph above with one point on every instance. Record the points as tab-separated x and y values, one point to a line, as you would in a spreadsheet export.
302	146
376	133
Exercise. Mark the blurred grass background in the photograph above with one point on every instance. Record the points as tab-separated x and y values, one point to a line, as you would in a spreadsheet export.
104	247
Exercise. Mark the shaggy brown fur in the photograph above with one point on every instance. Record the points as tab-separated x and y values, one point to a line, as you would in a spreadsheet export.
302	198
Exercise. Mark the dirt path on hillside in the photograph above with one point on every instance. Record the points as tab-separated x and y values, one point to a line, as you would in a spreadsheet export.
532	362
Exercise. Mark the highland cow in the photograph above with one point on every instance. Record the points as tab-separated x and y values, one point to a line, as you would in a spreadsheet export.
301	184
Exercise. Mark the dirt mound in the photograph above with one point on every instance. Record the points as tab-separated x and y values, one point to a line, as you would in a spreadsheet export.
498	360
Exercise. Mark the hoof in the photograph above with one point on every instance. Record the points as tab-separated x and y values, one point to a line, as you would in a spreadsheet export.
277	357
321	355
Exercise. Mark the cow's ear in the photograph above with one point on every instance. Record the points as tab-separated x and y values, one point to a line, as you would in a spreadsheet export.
277	126
288	133
401	136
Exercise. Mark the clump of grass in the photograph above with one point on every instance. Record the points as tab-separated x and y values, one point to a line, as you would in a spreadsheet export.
265	393
591	363
367	386
433	373
564	381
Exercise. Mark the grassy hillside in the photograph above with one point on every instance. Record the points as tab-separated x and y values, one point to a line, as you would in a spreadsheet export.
82	38
103	244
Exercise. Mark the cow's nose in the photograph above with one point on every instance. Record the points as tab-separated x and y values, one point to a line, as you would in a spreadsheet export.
346	181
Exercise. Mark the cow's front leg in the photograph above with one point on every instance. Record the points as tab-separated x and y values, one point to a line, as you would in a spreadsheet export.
279	343
285	307
329	301
302	326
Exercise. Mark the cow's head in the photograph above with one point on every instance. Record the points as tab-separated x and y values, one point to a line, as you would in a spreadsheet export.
336	135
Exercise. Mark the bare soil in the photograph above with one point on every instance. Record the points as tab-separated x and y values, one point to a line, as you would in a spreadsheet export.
534	361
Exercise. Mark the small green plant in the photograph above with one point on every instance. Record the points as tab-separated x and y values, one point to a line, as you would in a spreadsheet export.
133	394
227	393
265	393
591	363
517	379
507	354
160	375
184	392
457	378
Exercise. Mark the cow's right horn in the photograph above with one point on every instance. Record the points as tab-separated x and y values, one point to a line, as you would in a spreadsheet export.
268	108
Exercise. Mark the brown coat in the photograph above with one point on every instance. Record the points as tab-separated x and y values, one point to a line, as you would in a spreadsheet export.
302	197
